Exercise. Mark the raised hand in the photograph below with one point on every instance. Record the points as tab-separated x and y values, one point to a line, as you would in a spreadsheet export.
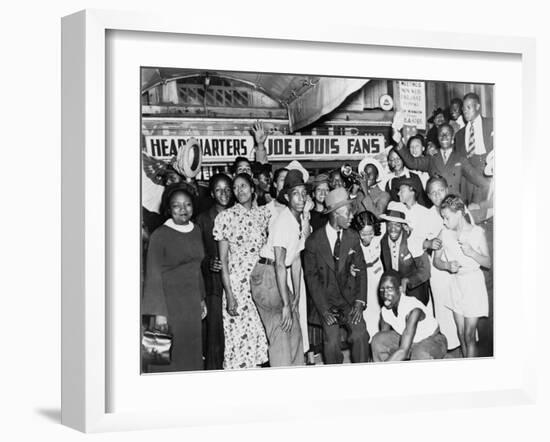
259	133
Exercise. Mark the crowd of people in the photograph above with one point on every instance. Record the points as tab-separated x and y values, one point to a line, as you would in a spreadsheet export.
267	268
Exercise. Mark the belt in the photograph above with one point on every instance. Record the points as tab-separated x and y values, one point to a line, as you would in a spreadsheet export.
266	261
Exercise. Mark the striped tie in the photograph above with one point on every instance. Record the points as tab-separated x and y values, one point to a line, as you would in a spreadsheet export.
471	142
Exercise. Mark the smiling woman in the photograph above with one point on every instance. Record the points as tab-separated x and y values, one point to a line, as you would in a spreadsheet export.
174	260
241	231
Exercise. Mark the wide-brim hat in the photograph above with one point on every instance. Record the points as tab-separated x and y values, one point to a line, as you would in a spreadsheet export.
395	212
189	159
337	198
295	165
370	160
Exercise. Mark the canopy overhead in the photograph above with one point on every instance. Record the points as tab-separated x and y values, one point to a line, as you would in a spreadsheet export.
306	98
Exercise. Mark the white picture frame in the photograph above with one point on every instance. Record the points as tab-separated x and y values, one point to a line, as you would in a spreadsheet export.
87	212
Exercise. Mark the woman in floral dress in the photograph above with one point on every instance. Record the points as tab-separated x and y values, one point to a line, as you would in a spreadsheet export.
241	231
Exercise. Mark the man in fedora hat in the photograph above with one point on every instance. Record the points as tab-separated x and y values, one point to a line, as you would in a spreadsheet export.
277	304
336	276
396	254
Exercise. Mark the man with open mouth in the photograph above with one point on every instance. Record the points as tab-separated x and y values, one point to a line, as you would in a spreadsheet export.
408	329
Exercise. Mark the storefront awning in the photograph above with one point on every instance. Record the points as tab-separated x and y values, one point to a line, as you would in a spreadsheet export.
306	98
323	98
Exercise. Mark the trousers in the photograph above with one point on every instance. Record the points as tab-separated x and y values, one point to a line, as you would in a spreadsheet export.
358	339
285	348
385	343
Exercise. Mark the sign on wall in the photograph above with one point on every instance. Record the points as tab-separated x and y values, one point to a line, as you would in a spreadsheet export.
224	149
412	103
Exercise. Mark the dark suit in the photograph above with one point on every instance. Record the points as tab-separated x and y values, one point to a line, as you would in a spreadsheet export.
332	287
457	166
415	269
475	193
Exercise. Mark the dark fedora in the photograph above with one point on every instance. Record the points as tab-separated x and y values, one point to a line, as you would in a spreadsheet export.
408	181
294	178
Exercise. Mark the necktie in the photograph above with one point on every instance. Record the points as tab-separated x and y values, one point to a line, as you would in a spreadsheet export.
471	142
336	252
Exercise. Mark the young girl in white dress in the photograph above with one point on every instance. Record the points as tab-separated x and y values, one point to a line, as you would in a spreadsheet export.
464	249
370	233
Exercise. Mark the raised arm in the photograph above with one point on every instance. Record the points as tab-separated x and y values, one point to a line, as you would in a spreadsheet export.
407	337
260	135
421	163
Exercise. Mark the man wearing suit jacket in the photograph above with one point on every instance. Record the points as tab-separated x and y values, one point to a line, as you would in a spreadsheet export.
395	253
447	163
336	277
475	141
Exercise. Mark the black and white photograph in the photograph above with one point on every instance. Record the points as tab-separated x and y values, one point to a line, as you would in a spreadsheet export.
292	220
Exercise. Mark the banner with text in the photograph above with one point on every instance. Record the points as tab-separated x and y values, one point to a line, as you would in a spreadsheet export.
412	102
225	149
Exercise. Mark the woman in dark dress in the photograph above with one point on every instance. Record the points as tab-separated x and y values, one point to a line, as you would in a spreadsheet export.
213	339
319	193
174	288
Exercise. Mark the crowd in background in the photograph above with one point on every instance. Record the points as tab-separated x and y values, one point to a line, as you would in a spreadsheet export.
278	268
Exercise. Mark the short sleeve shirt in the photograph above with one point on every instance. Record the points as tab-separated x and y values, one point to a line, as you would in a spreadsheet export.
286	232
424	329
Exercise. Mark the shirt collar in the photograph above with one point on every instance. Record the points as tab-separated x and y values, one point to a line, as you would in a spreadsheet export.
332	230
396	243
240	208
475	122
289	214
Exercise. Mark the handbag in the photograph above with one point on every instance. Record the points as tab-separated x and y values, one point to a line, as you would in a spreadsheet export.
156	347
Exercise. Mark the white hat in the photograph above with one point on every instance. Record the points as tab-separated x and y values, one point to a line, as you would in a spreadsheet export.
189	159
382	173
395	212
296	165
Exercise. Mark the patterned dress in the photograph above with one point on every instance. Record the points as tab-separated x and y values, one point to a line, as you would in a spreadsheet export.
246	232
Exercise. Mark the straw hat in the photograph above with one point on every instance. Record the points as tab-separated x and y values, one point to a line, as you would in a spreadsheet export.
395	212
